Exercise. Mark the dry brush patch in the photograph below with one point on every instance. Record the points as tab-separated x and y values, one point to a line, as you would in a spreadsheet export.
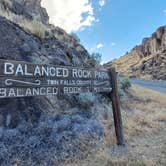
143	113
124	63
147	110
34	27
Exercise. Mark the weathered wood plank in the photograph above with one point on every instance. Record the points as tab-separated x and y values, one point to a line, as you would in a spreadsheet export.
22	79
17	76
116	109
46	91
23	69
14	81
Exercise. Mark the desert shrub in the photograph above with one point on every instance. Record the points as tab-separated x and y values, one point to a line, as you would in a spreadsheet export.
64	38
96	57
86	100
79	48
125	83
56	140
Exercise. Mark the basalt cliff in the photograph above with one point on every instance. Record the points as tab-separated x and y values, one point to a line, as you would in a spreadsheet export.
146	61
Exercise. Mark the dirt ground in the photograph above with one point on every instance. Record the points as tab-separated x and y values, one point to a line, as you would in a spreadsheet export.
144	120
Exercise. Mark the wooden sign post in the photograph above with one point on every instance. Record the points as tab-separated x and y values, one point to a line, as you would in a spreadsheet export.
21	79
116	109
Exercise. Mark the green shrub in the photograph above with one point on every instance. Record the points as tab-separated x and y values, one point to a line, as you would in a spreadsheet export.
125	83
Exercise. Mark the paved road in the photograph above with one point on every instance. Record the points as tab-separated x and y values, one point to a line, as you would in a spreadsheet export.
159	86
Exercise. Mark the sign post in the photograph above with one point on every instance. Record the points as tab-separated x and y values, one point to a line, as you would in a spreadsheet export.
21	79
116	109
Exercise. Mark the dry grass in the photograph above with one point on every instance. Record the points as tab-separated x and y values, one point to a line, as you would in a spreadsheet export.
34	27
144	118
145	94
123	64
146	111
142	113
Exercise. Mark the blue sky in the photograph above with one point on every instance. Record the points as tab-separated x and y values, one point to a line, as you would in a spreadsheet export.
122	25
110	27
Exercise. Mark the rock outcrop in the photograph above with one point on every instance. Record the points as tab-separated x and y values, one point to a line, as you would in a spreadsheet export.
27	8
147	60
32	18
48	130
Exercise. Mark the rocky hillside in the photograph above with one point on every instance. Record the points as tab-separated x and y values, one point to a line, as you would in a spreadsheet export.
50	130
147	61
33	19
